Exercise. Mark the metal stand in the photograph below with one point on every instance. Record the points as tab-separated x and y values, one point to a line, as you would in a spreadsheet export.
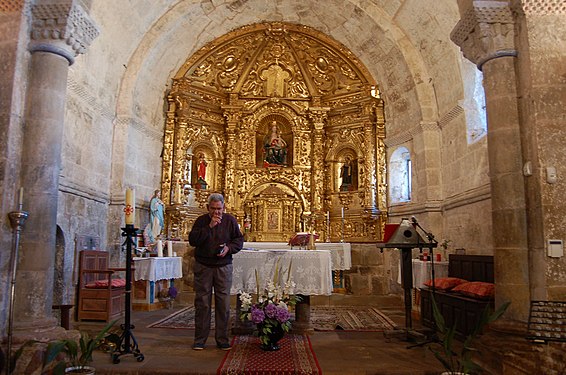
128	343
17	220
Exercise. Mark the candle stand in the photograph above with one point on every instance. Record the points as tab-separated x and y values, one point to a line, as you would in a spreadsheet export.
17	220
128	343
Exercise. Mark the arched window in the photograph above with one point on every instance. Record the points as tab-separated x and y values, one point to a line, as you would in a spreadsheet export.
474	102
400	176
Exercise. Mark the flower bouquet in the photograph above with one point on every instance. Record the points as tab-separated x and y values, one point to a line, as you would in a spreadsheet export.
270	312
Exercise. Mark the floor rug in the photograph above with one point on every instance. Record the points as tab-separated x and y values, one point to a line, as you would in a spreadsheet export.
295	356
323	318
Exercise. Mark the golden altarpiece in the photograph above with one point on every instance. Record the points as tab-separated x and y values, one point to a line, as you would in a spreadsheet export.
288	125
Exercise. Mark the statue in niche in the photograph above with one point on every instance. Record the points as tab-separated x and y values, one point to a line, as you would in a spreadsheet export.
347	175
201	172
274	147
156	218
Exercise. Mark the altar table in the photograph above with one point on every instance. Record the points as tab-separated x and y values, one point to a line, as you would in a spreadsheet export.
422	272
341	252
310	270
152	274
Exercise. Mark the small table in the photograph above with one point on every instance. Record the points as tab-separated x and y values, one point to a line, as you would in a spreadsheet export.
422	271
152	272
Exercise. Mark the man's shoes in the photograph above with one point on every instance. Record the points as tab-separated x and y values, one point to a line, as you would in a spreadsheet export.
225	346
198	346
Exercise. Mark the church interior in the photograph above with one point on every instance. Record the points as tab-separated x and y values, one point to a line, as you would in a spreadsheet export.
340	119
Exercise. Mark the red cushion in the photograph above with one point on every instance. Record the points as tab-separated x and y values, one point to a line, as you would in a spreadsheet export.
103	284
476	289
445	283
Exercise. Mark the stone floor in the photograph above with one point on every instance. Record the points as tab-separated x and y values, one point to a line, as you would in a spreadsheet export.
168	351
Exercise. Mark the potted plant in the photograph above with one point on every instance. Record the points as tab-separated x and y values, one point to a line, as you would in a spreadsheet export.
78	354
460	361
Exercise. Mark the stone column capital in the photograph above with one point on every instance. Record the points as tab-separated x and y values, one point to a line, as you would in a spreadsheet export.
485	31
543	7
62	27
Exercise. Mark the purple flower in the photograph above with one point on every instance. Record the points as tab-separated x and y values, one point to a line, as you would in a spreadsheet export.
257	315
172	292
282	315
270	310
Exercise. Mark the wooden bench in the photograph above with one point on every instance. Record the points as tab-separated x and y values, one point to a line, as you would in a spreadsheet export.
456	308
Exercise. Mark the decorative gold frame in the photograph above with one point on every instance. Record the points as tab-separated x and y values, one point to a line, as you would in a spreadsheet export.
222	102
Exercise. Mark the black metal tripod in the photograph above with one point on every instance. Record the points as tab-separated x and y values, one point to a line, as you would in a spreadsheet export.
128	343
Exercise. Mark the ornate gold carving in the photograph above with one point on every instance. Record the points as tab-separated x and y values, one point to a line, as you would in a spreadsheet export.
223	103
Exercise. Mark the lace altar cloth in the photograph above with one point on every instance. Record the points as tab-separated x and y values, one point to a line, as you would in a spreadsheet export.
310	270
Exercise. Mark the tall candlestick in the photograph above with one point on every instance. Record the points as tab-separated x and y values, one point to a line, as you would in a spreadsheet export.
342	234
327	226
169	248
130	208
159	248
21	199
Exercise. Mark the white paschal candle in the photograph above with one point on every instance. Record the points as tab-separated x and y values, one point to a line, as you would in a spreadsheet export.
130	209
159	248
169	248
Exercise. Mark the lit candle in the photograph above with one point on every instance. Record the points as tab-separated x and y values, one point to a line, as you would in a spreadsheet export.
169	248
21	198
342	213
159	248
130	208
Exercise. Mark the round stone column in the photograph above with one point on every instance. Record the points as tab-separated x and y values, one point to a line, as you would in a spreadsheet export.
61	30
486	37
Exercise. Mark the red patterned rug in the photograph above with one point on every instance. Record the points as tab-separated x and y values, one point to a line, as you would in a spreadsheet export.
295	357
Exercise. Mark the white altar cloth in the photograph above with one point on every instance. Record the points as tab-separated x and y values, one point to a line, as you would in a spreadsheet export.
310	270
422	272
341	252
158	268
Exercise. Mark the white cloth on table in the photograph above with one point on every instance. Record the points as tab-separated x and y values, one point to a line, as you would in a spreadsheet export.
341	252
422	271
310	270
158	268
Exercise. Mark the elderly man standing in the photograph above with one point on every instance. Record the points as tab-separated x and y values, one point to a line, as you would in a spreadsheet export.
215	236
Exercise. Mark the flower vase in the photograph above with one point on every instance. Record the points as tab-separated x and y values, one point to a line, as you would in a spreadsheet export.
269	340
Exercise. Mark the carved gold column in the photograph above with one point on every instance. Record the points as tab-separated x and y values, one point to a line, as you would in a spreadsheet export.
487	38
317	115
167	162
381	162
369	182
233	115
179	152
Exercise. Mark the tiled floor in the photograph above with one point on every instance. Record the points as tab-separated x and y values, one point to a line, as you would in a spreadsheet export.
168	351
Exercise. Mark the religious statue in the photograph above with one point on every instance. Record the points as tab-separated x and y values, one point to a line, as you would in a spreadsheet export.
202	164
156	217
274	147
346	175
201	172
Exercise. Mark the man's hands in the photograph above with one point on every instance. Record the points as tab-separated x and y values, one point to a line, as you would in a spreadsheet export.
224	251
215	220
